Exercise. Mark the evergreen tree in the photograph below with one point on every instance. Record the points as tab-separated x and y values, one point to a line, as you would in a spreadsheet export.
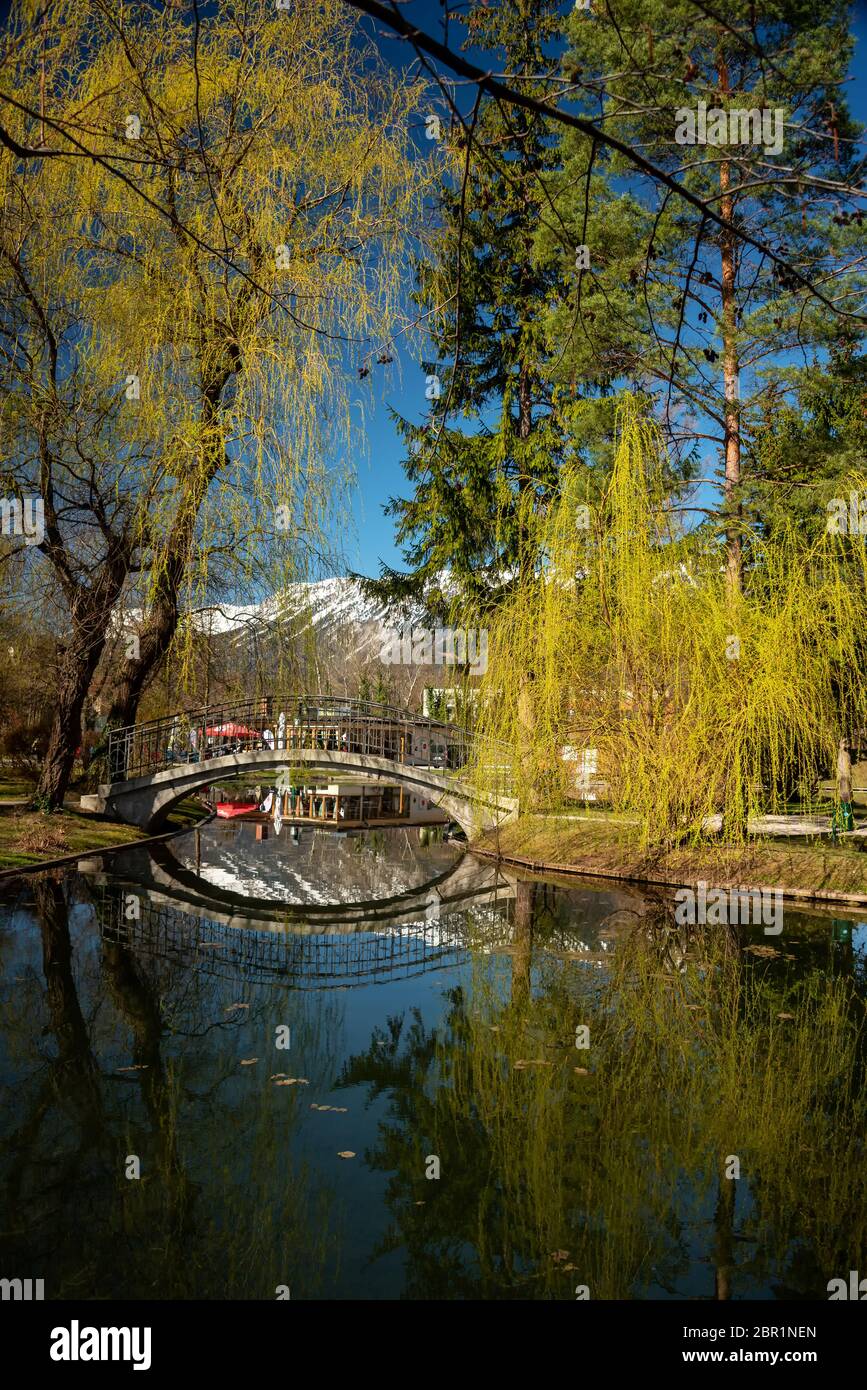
746	109
488	456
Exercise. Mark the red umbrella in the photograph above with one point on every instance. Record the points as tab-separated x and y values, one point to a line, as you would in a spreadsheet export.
232	731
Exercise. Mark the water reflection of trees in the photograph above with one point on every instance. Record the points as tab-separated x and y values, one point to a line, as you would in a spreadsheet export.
222	1208
611	1167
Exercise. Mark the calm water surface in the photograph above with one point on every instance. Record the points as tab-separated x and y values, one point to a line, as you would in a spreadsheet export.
708	1143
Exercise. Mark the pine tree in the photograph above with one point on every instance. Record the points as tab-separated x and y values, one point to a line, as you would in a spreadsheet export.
720	320
487	458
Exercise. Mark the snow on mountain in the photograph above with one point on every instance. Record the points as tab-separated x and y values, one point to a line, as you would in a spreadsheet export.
334	608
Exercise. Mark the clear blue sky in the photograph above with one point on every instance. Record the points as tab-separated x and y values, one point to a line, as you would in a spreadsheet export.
378	459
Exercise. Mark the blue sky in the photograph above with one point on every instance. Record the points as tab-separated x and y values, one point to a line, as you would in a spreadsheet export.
379	453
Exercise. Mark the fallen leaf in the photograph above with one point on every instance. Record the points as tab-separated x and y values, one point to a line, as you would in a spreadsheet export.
248	1061
229	1007
274	1075
141	1066
294	1081
581	1071
785	1015
346	1153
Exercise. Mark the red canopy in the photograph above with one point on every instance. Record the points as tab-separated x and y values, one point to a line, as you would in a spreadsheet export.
232	731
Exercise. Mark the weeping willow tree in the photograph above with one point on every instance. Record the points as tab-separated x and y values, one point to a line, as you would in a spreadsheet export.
701	700
213	237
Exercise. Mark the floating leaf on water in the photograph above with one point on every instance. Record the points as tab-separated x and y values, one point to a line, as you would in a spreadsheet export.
346	1153
229	1007
140	1066
248	1061
274	1075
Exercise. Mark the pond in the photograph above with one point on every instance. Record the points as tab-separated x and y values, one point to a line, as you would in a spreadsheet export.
370	1065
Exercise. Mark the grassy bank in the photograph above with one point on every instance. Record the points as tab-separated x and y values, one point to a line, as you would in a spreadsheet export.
604	845
32	837
14	786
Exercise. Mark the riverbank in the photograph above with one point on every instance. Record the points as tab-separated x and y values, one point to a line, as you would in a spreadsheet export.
29	838
607	849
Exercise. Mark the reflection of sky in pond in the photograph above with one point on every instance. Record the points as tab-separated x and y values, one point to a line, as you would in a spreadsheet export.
321	866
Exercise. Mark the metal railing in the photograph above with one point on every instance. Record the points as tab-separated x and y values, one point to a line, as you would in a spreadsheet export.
286	724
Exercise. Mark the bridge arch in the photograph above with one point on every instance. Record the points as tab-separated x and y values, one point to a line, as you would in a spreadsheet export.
155	764
146	801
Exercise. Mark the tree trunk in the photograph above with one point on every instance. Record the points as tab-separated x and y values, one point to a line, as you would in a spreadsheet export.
162	623
91	614
731	391
157	636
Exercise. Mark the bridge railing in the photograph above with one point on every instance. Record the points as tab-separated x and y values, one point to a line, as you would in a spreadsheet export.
290	723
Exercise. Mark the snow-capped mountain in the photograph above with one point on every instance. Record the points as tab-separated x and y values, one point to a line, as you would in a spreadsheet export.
336	609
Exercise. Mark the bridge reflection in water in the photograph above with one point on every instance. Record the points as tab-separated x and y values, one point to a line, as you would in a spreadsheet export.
184	920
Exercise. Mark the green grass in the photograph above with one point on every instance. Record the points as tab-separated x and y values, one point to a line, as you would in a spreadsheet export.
596	844
32	837
14	786
185	814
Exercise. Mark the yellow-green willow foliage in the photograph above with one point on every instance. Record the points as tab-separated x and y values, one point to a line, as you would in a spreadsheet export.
258	252
700	700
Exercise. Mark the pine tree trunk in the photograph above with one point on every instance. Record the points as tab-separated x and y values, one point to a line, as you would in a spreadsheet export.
731	392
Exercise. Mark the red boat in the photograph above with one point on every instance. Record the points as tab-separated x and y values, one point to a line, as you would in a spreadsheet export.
227	809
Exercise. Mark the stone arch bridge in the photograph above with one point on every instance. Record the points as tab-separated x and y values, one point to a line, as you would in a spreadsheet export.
153	765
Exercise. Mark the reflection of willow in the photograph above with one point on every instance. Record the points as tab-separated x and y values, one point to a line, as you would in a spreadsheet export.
70	1081
137	1005
256	1221
553	1178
